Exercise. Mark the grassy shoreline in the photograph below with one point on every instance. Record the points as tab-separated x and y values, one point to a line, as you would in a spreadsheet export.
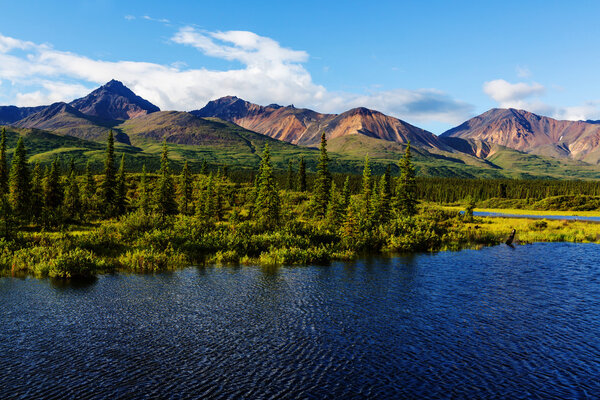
141	245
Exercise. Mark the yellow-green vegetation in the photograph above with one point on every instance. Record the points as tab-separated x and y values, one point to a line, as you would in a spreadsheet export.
62	225
539	230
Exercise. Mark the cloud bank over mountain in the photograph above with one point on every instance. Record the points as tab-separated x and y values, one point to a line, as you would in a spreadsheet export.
33	74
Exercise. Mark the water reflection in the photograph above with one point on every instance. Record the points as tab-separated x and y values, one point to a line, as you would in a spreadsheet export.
73	283
495	323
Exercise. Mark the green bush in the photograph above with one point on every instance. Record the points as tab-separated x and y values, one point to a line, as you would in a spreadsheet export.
151	260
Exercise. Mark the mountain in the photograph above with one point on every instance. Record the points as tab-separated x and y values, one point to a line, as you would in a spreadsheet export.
63	119
303	126
113	101
531	133
10	114
290	124
232	132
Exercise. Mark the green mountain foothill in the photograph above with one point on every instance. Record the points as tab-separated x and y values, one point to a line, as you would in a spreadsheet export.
229	132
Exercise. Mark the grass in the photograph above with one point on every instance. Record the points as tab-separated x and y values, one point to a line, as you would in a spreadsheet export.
531	231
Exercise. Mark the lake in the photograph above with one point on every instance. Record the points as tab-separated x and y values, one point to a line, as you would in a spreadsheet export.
492	323
535	216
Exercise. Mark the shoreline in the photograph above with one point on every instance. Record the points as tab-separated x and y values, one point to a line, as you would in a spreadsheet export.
127	256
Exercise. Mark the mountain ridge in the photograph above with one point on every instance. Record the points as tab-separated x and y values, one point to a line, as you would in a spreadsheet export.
532	133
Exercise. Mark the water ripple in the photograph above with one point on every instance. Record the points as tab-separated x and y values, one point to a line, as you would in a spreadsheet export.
494	323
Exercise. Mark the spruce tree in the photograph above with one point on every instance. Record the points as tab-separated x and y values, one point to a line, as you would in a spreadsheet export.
19	184
406	200
3	164
121	189
89	190
302	175
164	195
108	191
218	199
144	193
385	199
350	228
336	210
290	176
53	191
37	191
71	166
322	187
346	193
185	191
206	203
267	207
367	191
204	167
7	222
72	201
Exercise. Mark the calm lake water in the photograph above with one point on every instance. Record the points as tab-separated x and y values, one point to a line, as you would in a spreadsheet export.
534	216
491	323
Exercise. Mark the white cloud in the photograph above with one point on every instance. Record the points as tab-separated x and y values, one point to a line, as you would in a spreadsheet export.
161	20
52	92
269	73
511	94
526	96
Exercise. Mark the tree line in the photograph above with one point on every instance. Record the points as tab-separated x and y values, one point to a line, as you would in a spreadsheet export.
54	195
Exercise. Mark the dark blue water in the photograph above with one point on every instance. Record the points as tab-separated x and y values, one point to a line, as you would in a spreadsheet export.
491	323
534	216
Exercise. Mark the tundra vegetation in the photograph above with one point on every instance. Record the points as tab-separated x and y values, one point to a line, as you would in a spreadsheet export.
63	222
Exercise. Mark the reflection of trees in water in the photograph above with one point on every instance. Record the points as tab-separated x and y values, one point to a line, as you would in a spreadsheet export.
73	283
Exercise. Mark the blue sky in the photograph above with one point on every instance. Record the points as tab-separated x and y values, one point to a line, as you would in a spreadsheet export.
433	63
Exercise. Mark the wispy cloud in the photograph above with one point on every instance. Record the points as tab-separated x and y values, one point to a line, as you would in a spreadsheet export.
269	73
523	71
130	17
161	20
529	96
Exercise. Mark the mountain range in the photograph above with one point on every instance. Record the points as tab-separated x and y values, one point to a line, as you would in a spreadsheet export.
230	130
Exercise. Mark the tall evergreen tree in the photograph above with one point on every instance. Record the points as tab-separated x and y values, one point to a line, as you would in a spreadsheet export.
71	166
302	175
322	187
19	184
185	190
346	193
144	193
204	167
267	207
290	176
164	195
7	222
3	164
406	200
336	210
207	201
367	190
53	191
121	189
37	191
108	191
89	190
384	200
72	200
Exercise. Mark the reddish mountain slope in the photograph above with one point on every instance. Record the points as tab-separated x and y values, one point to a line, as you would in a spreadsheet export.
302	126
532	133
